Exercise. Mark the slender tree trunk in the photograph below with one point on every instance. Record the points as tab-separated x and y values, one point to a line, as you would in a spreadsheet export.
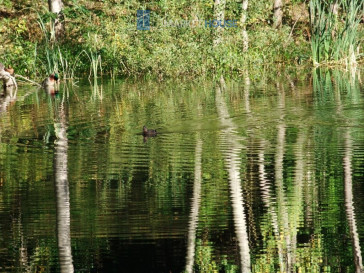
277	13
334	8
56	6
243	24
219	15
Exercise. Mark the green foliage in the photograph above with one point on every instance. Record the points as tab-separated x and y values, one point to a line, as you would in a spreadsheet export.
121	187
106	31
335	36
101	38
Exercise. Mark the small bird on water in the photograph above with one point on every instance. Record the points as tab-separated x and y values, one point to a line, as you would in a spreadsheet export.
149	132
50	81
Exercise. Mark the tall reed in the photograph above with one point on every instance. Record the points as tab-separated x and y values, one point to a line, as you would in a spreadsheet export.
95	63
334	31
56	62
335	85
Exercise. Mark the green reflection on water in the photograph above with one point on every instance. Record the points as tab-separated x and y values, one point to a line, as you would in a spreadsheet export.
256	175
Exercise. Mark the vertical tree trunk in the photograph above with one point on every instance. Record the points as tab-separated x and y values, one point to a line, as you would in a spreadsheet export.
277	13
243	24
56	6
219	15
334	8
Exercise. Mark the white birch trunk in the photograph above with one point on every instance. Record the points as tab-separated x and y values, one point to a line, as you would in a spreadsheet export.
243	25
56	6
219	14
277	13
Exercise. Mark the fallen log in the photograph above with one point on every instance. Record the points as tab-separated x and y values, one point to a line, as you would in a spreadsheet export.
28	80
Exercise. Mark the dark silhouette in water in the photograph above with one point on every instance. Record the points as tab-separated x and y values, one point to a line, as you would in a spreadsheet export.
149	132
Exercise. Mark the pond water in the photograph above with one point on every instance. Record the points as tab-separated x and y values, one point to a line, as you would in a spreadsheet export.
264	174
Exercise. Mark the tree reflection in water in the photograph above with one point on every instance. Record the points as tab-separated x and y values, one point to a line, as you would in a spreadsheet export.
62	191
233	163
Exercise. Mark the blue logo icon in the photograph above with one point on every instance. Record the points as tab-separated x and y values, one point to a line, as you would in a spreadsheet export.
143	20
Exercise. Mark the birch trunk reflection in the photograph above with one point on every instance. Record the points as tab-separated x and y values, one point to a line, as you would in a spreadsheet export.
62	192
266	197
247	91
196	199
281	200
286	218
297	198
7	98
349	203
233	164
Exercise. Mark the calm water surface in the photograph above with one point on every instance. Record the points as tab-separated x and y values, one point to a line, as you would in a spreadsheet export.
259	175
